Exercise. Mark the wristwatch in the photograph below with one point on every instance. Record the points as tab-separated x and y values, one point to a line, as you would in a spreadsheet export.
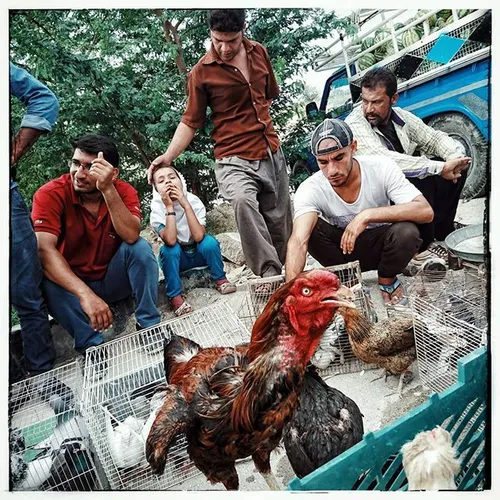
170	213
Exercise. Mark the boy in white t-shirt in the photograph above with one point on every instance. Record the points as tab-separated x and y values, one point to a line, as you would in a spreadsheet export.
178	217
344	213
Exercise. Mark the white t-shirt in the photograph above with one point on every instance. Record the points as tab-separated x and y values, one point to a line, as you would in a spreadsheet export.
382	181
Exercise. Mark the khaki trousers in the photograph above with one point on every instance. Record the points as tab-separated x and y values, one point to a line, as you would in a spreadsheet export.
258	192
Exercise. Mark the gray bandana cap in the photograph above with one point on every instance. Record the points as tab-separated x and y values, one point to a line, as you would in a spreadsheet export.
337	130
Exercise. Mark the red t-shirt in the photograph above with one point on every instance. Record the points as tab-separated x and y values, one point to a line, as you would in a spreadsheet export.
87	243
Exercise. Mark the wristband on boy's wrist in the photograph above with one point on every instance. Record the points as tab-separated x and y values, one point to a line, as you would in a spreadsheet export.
170	213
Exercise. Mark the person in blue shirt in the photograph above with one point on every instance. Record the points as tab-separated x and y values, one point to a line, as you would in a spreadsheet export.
41	111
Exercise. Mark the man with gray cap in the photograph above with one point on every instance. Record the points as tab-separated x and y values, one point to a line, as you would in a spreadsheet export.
343	212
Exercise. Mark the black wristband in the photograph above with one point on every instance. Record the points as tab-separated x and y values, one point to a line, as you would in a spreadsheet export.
170	213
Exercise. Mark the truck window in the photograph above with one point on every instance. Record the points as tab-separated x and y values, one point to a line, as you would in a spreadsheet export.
339	98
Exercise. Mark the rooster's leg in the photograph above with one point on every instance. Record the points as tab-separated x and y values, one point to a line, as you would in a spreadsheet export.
383	373
261	461
400	385
271	481
405	378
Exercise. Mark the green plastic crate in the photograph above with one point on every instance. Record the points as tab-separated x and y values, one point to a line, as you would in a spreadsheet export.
375	463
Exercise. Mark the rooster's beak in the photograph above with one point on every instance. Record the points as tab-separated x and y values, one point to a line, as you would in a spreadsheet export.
345	297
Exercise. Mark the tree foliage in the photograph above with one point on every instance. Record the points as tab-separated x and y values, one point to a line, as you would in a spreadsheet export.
122	73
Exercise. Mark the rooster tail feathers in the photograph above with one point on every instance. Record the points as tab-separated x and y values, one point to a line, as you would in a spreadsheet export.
172	419
178	350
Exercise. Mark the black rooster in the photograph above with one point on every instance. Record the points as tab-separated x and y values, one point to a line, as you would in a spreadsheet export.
325	424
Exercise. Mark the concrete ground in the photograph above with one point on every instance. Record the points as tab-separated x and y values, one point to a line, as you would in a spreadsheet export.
377	405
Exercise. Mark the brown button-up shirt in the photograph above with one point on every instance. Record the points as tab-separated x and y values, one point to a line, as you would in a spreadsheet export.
240	108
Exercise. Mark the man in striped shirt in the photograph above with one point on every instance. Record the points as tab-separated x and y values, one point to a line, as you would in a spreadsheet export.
381	129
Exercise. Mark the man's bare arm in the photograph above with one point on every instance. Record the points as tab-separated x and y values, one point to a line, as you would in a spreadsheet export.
418	210
57	269
297	244
181	140
23	141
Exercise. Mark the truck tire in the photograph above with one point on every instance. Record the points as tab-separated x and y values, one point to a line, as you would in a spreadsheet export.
298	174
476	146
299	167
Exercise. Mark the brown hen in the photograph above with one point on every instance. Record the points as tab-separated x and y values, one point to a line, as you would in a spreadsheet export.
389	344
234	402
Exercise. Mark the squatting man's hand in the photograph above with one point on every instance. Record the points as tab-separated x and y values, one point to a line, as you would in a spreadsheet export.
352	231
452	170
98	312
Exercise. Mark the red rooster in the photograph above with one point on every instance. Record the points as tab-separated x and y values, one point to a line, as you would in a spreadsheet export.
234	402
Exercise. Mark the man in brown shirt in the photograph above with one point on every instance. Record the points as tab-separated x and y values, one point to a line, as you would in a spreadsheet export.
236	80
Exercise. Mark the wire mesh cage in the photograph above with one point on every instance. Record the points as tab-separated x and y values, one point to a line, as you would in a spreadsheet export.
450	318
334	354
122	394
50	447
259	292
334	345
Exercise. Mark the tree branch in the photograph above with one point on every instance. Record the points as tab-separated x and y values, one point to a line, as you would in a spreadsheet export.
43	28
172	36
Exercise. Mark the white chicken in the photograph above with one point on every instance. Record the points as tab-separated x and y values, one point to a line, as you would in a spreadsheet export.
429	461
329	347
125	441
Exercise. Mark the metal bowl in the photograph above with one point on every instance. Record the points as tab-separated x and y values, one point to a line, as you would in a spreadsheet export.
467	243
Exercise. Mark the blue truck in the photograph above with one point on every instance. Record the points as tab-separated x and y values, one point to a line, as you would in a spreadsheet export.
442	59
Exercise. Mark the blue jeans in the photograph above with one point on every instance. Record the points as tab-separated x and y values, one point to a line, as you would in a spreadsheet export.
174	260
132	270
25	289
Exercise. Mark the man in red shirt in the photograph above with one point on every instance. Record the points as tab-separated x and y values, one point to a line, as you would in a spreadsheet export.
87	224
236	80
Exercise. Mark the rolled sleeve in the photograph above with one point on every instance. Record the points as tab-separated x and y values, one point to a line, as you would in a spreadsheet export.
435	167
42	106
196	108
36	122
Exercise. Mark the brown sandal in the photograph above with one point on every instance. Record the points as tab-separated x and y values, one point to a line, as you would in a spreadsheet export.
225	288
184	308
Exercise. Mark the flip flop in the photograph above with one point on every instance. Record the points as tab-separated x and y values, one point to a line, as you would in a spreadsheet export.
390	289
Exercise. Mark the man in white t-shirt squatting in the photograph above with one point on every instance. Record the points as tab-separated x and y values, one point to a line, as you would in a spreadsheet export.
343	212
